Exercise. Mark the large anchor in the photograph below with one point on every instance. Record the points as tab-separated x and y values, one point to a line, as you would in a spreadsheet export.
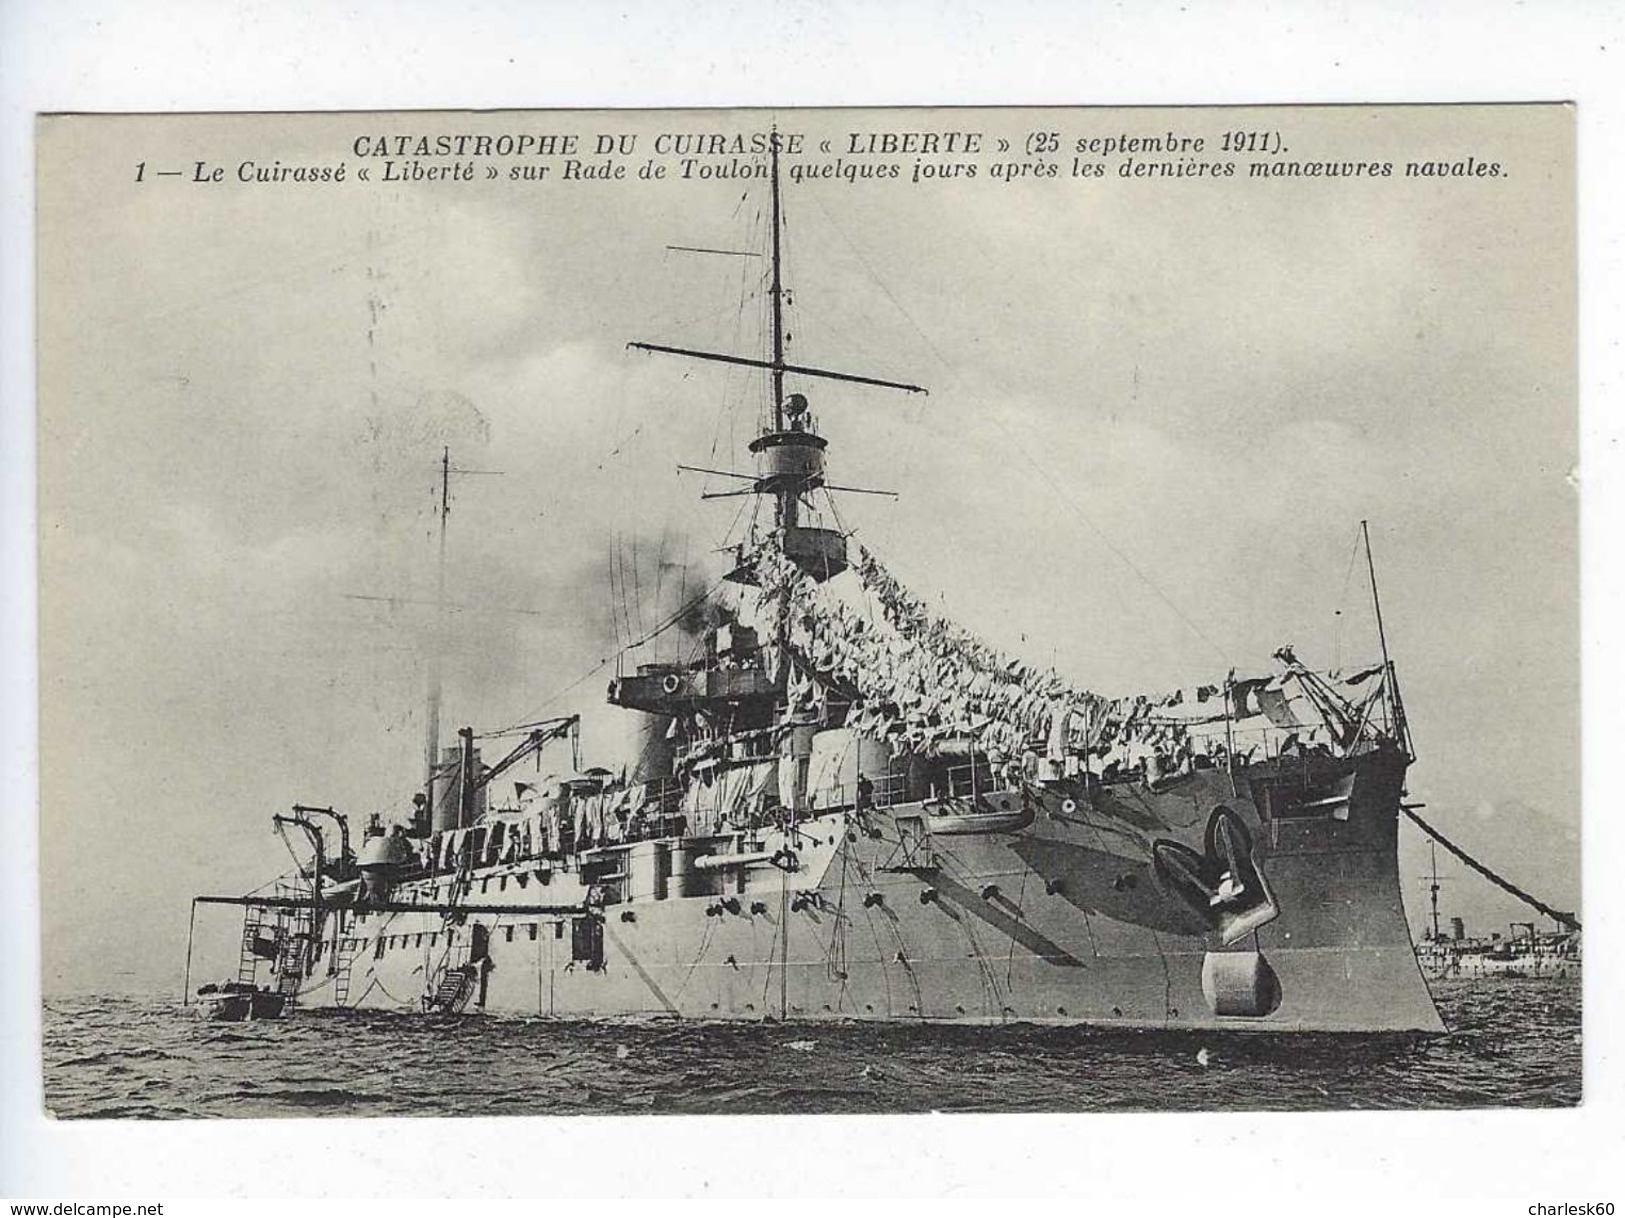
1223	885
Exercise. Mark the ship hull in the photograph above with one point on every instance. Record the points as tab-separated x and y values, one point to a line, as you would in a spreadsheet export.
1067	918
1477	966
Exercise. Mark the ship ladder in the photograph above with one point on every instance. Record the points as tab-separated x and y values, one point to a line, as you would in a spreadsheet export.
915	850
247	957
293	957
288	983
453	989
345	961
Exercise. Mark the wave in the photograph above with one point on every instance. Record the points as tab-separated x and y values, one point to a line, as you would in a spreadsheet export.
107	1056
1514	1045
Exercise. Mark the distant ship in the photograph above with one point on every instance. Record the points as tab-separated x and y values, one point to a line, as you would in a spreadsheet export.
846	807
1526	951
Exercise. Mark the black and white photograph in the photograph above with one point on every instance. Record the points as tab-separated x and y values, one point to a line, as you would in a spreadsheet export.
788	611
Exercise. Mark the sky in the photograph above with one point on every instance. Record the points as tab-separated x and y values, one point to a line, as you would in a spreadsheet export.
1158	410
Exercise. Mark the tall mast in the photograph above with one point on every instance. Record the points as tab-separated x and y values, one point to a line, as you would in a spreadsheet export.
785	501
1376	602
785	517
789	452
1390	683
431	740
777	292
1433	888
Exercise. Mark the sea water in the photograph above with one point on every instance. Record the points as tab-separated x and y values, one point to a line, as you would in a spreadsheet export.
1513	1043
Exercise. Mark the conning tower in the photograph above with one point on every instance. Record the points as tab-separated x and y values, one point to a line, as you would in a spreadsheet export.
790	463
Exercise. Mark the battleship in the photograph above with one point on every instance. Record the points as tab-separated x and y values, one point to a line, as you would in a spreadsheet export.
1527	950
844	806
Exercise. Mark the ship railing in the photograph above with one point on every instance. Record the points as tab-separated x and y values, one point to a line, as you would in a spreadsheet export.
1249	746
753	746
662	792
891	788
884	791
967	781
661	804
832	797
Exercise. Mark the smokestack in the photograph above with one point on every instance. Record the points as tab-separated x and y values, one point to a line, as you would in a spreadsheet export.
448	812
652	748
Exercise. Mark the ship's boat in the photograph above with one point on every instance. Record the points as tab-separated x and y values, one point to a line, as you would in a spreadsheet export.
849	807
237	1001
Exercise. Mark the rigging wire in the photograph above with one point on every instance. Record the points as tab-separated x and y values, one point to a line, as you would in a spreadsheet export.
659	630
675	327
614	618
1343	599
1561	918
620	557
660	562
1087	520
1010	437
688	538
637	587
917	406
744	504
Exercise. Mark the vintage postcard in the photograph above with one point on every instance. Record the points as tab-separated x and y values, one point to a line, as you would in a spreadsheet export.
809	610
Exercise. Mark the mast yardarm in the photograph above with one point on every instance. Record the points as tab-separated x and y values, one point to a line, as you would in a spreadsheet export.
790	452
